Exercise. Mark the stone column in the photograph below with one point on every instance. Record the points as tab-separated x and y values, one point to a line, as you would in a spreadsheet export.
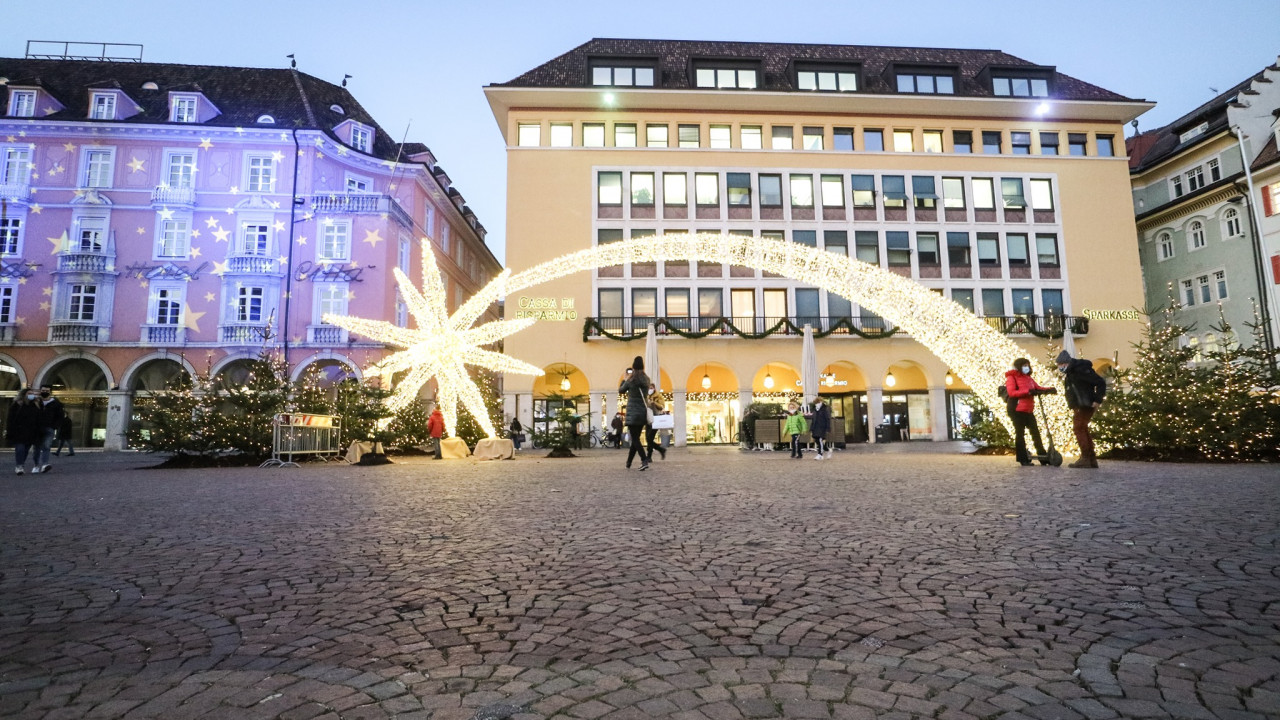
938	408
681	435
509	408
745	398
875	410
119	407
597	419
524	408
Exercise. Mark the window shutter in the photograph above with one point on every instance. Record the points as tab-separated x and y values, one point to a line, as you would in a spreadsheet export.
1275	269
1268	208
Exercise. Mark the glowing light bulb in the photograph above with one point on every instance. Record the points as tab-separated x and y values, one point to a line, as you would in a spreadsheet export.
768	381
950	380
564	384
890	380
706	382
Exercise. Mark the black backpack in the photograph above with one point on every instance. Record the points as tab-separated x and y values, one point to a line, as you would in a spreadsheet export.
1011	404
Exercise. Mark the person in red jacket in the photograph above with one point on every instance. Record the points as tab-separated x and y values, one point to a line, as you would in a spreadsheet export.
1023	389
435	426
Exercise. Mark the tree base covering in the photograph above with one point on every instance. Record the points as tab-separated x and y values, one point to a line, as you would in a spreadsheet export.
561	452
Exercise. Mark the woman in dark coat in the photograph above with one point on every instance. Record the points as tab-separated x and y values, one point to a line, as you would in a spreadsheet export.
636	385
25	429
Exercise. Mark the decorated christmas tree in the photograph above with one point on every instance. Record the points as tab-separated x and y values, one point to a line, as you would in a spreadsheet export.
468	429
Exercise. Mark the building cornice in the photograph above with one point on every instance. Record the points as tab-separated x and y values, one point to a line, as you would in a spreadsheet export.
1190	206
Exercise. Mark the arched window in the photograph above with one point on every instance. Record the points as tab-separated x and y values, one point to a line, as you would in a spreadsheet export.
266	120
1195	234
1231	219
1210	344
1164	246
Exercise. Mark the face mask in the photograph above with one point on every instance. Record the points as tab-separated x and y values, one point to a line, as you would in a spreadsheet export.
1026	370
31	397
1062	368
44	394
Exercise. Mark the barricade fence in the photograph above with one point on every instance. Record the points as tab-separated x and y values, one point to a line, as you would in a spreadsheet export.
295	434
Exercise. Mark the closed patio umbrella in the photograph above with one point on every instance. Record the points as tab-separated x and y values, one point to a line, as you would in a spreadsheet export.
651	358
809	366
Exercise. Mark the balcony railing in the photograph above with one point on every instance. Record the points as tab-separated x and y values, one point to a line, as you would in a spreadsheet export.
20	192
65	332
253	264
325	335
360	203
85	262
163	334
866	326
165	195
243	334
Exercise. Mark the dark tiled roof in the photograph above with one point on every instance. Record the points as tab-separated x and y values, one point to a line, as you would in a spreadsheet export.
1166	143
674	61
1270	153
294	99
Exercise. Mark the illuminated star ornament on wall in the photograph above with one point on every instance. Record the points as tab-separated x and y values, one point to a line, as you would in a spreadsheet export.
441	346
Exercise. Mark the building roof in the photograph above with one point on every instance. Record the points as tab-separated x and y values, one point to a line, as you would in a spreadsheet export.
1270	154
1163	143
674	60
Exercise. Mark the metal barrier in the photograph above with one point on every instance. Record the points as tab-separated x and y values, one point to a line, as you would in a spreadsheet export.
302	434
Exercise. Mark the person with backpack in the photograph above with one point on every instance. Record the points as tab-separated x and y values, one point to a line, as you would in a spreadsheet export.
1021	391
1085	389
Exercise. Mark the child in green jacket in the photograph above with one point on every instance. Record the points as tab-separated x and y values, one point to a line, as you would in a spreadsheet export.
795	426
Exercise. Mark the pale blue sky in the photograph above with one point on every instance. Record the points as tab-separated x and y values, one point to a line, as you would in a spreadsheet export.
425	61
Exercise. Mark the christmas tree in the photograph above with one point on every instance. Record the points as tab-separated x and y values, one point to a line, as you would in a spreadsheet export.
468	429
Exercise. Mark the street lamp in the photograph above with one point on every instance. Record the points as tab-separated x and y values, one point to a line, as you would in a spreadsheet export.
768	380
706	379
890	380
950	379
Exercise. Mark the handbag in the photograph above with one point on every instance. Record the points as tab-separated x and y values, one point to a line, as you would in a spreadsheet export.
648	415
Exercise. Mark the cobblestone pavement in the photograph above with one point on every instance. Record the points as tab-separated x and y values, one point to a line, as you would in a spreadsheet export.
719	585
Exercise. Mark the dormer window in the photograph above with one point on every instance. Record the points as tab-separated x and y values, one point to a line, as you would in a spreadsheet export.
726	75
183	109
361	138
102	106
926	81
22	103
829	78
611	72
1019	86
1194	132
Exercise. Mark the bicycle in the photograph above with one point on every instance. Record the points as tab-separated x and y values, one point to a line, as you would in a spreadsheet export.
596	438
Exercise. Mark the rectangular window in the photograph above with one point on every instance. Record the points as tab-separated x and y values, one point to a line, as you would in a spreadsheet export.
993	303
1177	186
1215	172
953	192
897	247
775	305
181	172
1020	143
842	139
1020	87
837	241
624	135
864	190
10	231
927	248
927	83
1016	246
249	304
656	135
1205	292
1076	143
805	237
675	189
529	134
1024	301
405	254
1011	190
262	174
644	303
166	306
1041	194
925	191
832	191
609	188
1188	293
770	191
561	134
103	106
254	238
356	184
361	138
22	103
738	187
872	140
1048	143
1051	303
689	136
813	138
331	299
827	80
989	249
720	136
173	240
6	304
91	234
782	137
802	191
710	302
604	236
1106	145
593	135
97	168
958	249
335	241
903	141
866	246
752	137
17	166
625	76
83	303
725	78
1195	179
895	191
991	142
642	188
963	297
1047	250
706	188
677	302
962	141
933	141
1220	279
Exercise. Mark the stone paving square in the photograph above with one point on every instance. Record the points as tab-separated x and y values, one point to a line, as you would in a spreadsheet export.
903	582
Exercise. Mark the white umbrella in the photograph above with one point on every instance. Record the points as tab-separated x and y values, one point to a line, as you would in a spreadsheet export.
809	366
651	358
1068	342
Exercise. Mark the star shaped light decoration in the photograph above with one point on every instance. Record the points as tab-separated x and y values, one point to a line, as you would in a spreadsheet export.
441	346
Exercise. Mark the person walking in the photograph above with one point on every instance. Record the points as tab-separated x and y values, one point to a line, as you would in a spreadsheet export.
517	433
435	426
1085	392
795	426
51	415
1022	390
64	436
820	426
25	431
616	425
650	432
636	386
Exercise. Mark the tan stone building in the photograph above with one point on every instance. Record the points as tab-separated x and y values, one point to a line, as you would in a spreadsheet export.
996	182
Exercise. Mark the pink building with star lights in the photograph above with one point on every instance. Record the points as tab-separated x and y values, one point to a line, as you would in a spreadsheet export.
158	219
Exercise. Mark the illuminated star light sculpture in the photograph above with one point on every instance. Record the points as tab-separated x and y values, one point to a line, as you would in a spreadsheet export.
442	346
